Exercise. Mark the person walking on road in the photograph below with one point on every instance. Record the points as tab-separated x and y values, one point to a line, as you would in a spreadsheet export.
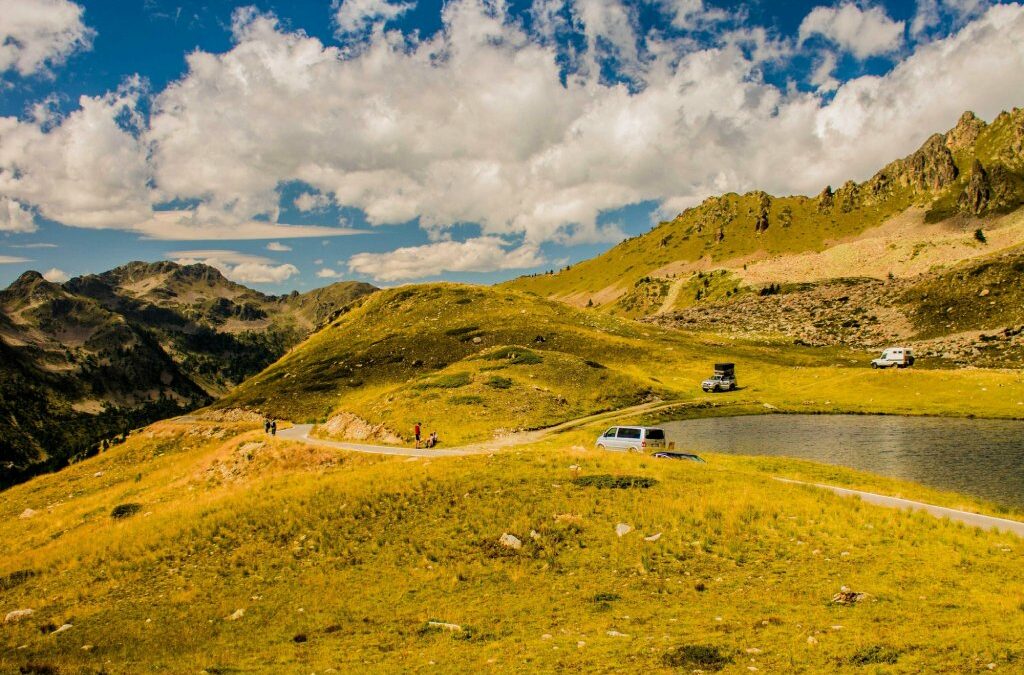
273	427
266	425
416	433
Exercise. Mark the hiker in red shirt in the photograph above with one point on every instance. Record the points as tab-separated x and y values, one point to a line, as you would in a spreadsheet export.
416	431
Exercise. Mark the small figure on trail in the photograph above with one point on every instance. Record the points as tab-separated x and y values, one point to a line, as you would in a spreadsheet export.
416	433
266	425
273	427
432	439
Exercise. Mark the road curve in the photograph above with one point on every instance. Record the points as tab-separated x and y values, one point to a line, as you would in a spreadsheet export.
956	515
300	432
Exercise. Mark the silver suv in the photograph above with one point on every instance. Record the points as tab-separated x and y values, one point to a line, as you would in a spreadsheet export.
632	439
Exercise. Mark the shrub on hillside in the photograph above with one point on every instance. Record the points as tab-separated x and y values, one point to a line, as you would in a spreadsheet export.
125	510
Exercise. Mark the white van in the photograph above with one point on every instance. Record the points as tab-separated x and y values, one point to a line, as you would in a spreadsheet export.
632	439
901	357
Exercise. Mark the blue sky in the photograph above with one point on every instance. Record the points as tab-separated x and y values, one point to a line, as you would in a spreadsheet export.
294	144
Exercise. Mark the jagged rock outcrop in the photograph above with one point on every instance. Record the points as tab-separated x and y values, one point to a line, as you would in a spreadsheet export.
965	133
976	196
931	168
764	206
826	200
989	190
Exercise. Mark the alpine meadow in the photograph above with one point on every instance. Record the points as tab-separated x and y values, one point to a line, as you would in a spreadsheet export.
679	336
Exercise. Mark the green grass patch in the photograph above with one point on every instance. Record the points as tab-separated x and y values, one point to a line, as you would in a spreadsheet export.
609	482
516	356
499	382
700	657
451	381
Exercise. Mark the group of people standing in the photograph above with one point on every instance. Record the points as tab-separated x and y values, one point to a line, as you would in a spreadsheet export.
430	441
270	426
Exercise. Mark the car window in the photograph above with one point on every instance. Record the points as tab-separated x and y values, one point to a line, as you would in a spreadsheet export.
610	433
656	434
627	432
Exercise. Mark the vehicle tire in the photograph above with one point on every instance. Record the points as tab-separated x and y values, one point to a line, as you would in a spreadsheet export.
874	366
636	450
600	447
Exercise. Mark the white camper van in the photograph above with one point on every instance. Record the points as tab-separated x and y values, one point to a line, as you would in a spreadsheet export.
901	357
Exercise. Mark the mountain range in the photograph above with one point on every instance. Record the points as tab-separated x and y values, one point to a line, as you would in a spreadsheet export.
100	354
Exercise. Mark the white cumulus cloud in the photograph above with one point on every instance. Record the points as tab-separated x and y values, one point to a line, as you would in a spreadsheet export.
328	273
56	275
88	170
311	201
15	217
241	267
278	247
35	34
862	32
352	16
482	254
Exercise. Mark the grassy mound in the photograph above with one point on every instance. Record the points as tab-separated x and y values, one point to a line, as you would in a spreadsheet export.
256	554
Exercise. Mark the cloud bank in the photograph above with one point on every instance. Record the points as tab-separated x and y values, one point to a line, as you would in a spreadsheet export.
493	122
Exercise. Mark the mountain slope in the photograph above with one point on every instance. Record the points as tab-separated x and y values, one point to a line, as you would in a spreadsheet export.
104	353
475	363
964	179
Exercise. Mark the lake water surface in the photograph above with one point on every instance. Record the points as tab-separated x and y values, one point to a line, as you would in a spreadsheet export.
984	458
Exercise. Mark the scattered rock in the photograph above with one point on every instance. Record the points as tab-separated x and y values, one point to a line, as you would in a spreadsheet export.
441	625
847	597
580	644
86	648
26	514
653	537
477	340
510	541
615	633
63	628
17	615
238	614
752	650
811	640
354	428
535	535
622	529
545	636
97	474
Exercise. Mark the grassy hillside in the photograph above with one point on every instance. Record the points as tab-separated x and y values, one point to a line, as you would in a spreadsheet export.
474	363
973	171
248	555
